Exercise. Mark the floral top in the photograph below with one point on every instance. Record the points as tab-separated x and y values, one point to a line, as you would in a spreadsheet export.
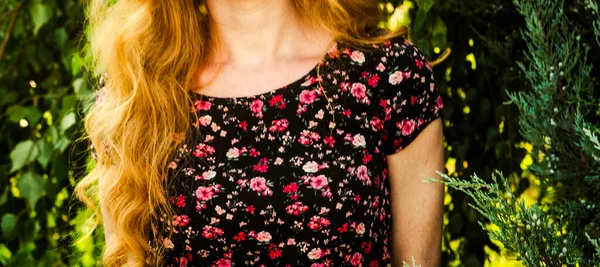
297	176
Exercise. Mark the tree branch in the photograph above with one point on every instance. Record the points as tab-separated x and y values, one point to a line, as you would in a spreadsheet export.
10	27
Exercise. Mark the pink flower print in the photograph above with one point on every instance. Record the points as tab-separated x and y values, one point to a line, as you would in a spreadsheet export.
359	140
407	126
315	254
358	57
205	193
254	152
172	165
311	167
205	120
263	236
203	150
179	200
183	261
318	182
168	244
363	173
396	78
360	228
377	124
373	80
223	263
258	184
274	252
356	259
330	141
439	103
419	63
380	67
308	138
318	222
347	113
296	209
309	82
277	101
308	97
233	153
344	86
359	91
256	106
202	105
279	125
291	188
181	220
211	232
207	175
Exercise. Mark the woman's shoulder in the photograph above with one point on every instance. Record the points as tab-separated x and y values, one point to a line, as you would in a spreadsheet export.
391	52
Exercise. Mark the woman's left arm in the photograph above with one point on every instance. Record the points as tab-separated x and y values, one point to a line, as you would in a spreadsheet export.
417	206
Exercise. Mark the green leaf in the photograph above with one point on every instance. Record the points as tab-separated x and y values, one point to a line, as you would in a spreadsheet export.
23	153
5	254
76	64
46	152
4	196
30	113
40	14
31	186
9	221
23	257
77	83
67	121
420	19
61	37
425	5
439	33
16	113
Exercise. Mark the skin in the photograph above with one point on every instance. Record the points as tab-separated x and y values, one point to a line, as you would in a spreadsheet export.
264	45
417	206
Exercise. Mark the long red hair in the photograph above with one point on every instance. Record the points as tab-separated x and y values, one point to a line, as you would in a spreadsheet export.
147	48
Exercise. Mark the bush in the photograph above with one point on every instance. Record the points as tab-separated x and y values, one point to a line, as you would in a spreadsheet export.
44	90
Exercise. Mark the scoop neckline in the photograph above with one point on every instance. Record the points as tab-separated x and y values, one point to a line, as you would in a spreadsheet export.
286	88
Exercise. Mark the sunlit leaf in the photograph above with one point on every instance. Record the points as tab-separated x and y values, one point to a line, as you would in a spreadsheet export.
40	14
23	153
31	186
67	121
46	152
5	254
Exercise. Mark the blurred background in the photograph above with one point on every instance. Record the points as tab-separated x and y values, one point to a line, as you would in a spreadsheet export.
520	93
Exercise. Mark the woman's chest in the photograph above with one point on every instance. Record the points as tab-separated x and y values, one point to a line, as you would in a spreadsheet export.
260	152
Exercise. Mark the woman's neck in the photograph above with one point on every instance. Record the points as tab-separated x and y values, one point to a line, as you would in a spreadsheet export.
256	32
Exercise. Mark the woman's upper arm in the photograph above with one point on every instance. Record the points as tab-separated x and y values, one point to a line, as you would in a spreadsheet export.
417	206
414	149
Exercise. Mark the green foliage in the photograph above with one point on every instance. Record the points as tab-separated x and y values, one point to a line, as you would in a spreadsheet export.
43	88
559	116
40	121
529	230
480	131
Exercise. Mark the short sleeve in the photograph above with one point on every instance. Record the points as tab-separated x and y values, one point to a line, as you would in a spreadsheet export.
411	93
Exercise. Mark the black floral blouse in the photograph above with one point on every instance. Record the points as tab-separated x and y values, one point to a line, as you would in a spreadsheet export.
298	176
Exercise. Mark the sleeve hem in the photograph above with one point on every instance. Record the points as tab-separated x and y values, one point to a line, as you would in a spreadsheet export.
409	139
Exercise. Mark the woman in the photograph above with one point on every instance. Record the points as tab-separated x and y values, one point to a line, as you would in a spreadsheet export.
262	132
